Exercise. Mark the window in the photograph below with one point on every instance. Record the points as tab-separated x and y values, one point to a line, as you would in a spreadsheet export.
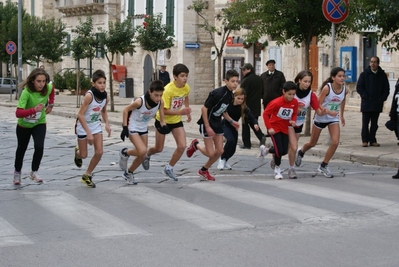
32	7
149	7
100	47
170	8
68	44
130	8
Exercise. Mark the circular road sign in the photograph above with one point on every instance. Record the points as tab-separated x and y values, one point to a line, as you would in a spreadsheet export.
11	47
335	11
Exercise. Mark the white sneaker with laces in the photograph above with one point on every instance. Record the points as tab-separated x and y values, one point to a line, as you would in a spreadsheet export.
129	177
292	173
36	177
277	173
221	164
227	166
325	171
263	151
298	159
17	178
169	172
146	163
123	159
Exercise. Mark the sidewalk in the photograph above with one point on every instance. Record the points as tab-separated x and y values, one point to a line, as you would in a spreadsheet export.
350	148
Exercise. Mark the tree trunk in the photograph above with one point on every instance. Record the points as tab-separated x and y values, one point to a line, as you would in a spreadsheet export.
308	111
111	90
220	78
78	98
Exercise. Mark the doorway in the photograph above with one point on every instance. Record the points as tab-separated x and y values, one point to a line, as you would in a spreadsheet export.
369	50
148	71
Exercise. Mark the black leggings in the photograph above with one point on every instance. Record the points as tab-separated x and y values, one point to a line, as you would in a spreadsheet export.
280	146
23	136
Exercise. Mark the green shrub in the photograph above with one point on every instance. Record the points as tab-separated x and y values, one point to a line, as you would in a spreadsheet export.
59	81
68	80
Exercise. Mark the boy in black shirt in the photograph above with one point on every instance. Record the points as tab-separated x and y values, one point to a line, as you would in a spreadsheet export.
211	123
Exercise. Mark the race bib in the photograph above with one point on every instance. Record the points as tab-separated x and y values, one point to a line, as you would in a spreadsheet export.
94	117
334	106
220	111
177	103
300	119
33	118
285	113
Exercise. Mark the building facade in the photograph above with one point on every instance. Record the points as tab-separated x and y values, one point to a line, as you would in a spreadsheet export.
192	46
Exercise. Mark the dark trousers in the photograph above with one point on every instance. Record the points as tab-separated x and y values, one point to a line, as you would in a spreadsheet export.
280	146
38	134
397	126
246	132
368	133
231	135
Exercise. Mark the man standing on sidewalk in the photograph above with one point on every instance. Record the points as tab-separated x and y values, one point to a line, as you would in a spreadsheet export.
253	86
273	81
164	75
373	88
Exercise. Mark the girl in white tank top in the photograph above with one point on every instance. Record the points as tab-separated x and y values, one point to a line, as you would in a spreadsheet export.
332	98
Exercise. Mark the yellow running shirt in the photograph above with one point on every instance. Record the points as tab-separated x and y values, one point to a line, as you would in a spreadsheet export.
173	98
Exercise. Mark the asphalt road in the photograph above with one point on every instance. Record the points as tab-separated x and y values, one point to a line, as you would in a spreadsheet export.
244	218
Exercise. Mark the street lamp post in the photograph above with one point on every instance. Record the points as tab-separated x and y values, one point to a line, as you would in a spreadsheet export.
19	45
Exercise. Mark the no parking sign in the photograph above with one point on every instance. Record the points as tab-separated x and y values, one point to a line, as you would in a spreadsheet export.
335	11
11	47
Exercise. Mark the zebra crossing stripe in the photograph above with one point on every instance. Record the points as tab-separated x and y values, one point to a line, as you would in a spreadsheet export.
299	211
10	236
386	206
98	222
175	207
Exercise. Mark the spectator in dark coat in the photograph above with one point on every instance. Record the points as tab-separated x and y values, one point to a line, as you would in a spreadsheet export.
394	112
164	75
253	86
373	88
273	81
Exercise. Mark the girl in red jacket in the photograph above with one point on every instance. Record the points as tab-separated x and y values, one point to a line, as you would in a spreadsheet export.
278	115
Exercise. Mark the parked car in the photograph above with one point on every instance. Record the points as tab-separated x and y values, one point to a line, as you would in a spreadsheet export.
7	84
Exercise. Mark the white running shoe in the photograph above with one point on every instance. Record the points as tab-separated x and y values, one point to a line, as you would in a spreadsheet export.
277	173
292	173
129	177
325	171
146	163
123	159
169	172
17	178
227	166
221	164
36	177
263	151
298	159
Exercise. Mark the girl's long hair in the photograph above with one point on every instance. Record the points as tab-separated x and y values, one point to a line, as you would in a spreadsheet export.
333	73
29	81
301	75
238	92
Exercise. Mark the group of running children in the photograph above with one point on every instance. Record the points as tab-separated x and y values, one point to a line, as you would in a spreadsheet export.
224	106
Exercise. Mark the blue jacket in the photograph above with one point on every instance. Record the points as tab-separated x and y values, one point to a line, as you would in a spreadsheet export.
373	89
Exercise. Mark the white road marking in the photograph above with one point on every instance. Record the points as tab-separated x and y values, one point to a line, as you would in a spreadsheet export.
175	207
10	236
98	222
299	211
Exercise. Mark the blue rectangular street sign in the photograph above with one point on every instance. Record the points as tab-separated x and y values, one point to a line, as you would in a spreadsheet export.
192	45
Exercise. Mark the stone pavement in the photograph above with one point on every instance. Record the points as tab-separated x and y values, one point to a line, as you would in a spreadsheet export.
350	148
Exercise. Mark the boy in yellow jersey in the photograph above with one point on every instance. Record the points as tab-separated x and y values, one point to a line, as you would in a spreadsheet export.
176	104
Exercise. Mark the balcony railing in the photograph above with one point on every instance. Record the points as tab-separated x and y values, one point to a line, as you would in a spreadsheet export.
80	7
